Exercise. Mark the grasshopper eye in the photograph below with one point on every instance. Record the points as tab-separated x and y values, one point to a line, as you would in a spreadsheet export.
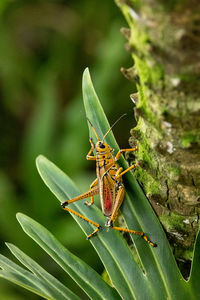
102	146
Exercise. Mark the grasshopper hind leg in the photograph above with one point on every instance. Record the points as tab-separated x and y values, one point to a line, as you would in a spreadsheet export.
110	220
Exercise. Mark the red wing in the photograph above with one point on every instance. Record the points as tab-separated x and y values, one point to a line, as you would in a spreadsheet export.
108	195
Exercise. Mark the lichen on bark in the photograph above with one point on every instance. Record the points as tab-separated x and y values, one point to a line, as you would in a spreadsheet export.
164	41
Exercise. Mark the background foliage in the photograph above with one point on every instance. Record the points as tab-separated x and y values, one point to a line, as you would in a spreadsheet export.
44	48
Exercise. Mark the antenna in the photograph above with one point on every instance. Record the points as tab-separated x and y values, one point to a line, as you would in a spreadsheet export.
113	125
93	129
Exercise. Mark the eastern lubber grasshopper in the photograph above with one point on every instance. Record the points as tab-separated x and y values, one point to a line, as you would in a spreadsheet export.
108	185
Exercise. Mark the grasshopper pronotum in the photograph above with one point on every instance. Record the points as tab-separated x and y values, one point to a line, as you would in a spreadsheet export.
108	185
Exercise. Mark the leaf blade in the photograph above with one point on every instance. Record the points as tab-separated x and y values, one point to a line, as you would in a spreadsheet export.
93	284
165	272
119	271
16	274
193	281
54	287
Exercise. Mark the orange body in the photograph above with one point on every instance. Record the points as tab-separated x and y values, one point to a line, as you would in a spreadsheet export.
108	185
106	169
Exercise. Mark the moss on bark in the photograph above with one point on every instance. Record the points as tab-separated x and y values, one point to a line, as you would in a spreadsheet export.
164	41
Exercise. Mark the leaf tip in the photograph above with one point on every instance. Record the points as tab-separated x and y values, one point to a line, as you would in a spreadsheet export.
20	217
86	76
9	245
39	159
86	71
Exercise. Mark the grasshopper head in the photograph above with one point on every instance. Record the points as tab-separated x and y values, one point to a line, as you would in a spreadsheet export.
102	147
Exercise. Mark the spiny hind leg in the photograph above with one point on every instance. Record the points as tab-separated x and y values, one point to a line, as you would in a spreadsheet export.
110	221
95	182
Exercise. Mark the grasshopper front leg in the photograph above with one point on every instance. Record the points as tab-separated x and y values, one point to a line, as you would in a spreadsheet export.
89	156
125	150
90	193
119	173
95	182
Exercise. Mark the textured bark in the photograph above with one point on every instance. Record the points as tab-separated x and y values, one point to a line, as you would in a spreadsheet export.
164	41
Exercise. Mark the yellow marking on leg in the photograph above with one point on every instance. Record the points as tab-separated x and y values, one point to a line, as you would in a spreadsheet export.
137	233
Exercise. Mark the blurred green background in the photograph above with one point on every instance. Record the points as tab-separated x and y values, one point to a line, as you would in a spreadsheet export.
44	48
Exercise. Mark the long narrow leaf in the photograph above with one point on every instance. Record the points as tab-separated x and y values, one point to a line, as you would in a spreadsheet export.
85	276
193	282
110	246
159	263
53	287
16	274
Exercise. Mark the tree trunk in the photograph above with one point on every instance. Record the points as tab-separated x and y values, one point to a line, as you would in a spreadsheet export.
164	41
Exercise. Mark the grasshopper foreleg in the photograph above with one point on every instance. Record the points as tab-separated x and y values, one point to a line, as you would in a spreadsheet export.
119	175
125	150
89	156
95	182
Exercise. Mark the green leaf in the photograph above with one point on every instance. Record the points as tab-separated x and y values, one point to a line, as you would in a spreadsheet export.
156	276
159	276
193	282
84	275
50	284
110	246
16	274
159	264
